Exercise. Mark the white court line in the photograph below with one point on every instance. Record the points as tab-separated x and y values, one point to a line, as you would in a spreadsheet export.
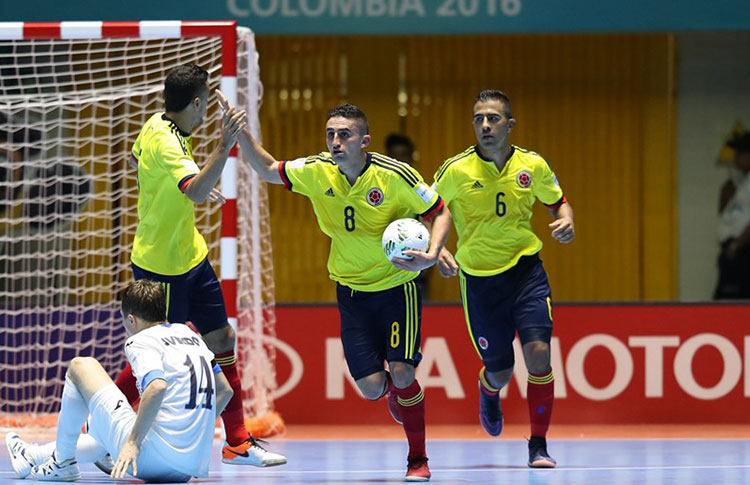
500	470
256	473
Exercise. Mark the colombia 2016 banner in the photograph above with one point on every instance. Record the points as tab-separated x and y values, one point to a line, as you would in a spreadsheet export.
612	363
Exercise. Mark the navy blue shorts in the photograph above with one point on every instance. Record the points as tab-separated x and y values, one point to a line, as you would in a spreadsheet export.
496	307
380	326
194	296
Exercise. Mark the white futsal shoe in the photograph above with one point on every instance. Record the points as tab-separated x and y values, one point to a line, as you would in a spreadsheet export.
251	453
22	463
106	464
54	471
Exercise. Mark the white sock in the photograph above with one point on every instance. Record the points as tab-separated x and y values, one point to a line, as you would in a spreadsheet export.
40	453
73	414
88	450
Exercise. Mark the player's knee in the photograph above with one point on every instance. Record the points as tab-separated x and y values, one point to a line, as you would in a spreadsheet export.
372	386
537	356
78	365
402	374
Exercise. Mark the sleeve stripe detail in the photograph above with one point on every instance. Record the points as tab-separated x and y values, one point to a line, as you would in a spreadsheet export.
134	158
409	180
408	171
151	377
432	211
401	174
557	204
284	177
318	158
183	184
451	161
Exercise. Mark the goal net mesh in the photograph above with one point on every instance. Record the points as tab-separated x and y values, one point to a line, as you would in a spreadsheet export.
70	110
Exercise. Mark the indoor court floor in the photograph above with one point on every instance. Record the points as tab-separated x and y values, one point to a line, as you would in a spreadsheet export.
460	454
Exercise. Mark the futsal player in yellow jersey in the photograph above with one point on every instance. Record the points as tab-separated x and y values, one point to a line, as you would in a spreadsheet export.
355	195
490	189
168	248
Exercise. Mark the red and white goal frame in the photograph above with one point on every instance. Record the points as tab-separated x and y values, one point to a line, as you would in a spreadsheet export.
230	264
227	31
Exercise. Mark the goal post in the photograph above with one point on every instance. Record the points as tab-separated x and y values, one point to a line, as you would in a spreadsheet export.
73	96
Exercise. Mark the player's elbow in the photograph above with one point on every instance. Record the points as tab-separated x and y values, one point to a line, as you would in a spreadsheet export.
157	386
226	394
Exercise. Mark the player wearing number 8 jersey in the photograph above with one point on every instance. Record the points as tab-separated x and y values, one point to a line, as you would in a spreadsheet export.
355	195
182	393
490	189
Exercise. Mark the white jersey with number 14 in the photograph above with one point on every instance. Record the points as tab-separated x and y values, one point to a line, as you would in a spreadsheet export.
182	434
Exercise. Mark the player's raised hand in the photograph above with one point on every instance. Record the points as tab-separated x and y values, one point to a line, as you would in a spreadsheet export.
563	229
446	264
224	103
234	121
421	261
128	456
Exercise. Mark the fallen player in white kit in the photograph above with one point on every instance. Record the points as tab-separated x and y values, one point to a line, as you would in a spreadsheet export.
182	393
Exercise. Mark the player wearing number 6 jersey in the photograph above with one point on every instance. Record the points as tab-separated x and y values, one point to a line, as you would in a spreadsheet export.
356	194
182	393
490	189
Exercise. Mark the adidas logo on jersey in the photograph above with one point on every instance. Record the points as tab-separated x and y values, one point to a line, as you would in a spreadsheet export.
330	193
477	185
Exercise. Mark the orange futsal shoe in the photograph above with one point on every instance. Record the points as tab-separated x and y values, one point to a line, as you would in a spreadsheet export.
251	453
417	470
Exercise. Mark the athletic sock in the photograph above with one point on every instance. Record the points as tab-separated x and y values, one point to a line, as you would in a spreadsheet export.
233	415
126	382
411	404
540	392
486	386
73	414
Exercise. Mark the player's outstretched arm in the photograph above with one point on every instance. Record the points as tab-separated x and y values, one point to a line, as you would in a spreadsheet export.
201	185
262	162
563	228
224	392
147	411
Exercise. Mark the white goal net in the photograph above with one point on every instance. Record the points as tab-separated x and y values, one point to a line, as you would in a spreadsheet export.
70	110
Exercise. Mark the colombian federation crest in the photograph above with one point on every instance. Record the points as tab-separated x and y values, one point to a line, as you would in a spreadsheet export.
483	343
374	196
524	179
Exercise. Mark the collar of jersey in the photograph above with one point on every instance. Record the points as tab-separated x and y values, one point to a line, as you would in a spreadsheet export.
368	158
510	154
171	122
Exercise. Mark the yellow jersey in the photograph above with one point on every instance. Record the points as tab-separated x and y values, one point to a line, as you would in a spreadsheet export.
166	240
355	216
492	210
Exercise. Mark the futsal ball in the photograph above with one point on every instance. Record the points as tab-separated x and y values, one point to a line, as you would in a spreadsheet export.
404	235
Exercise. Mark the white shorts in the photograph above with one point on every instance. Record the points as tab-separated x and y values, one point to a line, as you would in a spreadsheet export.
112	420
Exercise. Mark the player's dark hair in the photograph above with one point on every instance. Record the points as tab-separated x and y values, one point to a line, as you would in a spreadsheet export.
350	112
397	139
145	299
495	95
183	84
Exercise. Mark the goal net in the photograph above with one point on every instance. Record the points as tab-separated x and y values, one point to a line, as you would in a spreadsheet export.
73	97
